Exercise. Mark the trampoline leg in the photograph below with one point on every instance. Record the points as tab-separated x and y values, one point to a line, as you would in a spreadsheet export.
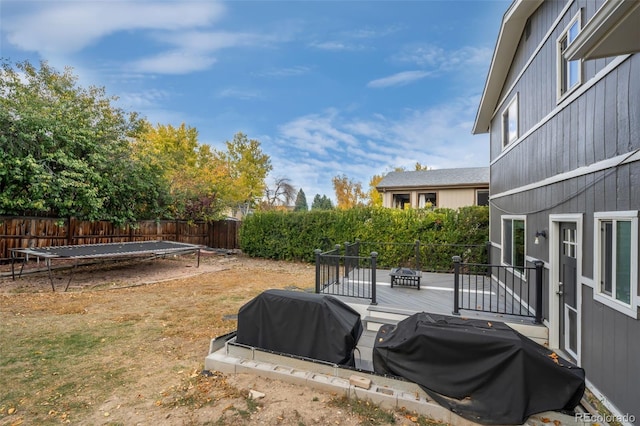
73	270
198	264
53	288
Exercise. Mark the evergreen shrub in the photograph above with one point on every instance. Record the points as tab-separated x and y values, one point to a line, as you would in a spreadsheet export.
391	233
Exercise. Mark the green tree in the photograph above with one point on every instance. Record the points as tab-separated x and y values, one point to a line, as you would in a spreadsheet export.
247	168
301	202
321	203
64	149
195	177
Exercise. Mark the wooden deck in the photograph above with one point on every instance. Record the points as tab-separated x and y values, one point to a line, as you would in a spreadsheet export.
436	295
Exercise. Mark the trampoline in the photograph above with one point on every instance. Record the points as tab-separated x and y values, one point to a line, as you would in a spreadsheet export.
96	251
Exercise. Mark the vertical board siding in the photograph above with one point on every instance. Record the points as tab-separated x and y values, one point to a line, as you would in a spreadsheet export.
601	123
23	232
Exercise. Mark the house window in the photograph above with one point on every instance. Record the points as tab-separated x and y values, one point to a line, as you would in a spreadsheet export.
617	259
427	200
482	197
569	72
616	266
401	201
513	241
510	122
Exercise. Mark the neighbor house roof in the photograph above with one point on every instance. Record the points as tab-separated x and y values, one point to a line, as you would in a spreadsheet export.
472	176
513	23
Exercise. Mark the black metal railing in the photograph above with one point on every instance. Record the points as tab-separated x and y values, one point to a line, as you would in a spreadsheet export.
351	256
423	256
358	277
498	289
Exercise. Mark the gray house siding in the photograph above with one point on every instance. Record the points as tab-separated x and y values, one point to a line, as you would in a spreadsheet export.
611	344
601	122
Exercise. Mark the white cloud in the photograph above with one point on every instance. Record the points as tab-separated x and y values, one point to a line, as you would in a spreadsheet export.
285	72
141	100
333	143
337	46
242	94
399	79
174	62
65	27
194	50
434	57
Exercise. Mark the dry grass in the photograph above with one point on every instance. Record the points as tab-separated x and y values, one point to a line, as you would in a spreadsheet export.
115	350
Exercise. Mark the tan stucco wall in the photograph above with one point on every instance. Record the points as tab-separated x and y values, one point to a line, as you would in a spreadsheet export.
447	198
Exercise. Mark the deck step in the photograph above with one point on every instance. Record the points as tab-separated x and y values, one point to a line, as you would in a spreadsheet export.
374	323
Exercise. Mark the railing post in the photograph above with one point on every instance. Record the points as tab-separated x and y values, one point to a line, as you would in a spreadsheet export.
539	271
456	284
374	257
317	252
337	250
488	248
347	259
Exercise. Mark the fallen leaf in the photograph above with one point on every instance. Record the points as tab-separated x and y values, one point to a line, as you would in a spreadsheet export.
545	420
489	324
557	422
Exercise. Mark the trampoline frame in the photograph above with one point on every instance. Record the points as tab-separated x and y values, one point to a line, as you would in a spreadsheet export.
155	248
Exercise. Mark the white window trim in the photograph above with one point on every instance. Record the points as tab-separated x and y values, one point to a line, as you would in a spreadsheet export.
509	141
560	60
512	217
610	301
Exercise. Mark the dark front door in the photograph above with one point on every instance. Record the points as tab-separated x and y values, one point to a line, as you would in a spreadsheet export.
567	289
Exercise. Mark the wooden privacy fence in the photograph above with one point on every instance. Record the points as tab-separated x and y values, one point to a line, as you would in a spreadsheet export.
25	232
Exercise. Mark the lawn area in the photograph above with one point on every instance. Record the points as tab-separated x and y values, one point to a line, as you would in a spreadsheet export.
126	345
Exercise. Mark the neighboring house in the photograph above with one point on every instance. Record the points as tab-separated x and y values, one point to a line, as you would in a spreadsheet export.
562	106
450	188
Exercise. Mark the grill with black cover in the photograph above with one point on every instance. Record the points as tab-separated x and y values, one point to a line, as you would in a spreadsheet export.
309	325
483	371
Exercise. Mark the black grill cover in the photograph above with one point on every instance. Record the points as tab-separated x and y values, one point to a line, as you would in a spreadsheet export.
305	324
483	371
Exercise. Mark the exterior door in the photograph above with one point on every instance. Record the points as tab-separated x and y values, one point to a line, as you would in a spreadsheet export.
567	290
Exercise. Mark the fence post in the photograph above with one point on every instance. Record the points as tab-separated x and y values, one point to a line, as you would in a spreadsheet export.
374	257
456	284
317	252
539	270
417	246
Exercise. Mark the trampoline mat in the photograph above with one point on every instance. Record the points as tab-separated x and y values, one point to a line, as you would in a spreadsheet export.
112	249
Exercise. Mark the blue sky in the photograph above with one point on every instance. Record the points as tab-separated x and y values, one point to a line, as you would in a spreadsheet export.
328	87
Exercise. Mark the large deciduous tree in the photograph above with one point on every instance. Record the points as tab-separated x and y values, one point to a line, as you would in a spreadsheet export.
349	194
196	178
247	167
375	198
280	196
64	150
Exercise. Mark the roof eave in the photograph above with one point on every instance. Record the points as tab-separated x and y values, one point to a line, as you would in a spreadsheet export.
613	30
434	187
511	29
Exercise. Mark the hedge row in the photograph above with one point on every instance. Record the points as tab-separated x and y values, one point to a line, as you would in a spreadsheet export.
390	232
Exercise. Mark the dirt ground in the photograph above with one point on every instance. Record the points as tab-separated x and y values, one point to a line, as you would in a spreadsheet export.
126	345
